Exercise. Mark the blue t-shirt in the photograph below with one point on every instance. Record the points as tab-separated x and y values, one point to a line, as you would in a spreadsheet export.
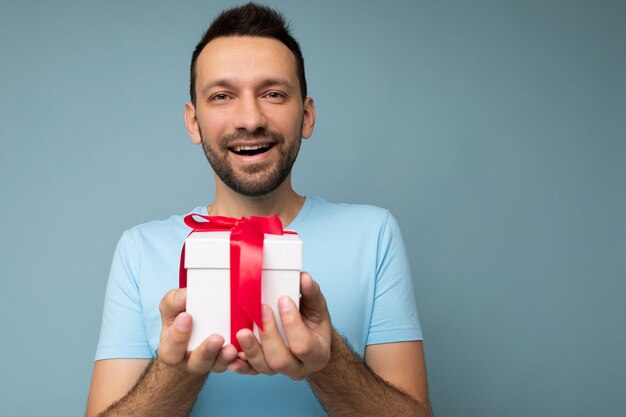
354	252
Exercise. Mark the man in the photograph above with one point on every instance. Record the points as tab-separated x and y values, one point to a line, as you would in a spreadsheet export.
249	110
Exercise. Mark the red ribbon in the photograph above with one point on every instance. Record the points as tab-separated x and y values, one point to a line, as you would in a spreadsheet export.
246	259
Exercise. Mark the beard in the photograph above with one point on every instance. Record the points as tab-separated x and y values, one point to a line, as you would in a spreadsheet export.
255	179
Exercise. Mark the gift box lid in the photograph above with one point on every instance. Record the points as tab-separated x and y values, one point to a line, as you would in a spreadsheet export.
212	250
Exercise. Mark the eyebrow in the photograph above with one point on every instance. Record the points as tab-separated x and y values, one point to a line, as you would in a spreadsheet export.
228	84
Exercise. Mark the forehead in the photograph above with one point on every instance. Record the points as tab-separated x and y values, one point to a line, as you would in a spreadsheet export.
245	58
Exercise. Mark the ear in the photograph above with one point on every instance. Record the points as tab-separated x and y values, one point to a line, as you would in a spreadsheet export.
192	123
308	118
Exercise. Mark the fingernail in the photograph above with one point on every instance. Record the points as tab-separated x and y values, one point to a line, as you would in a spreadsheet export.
285	304
267	312
183	323
213	344
177	297
246	341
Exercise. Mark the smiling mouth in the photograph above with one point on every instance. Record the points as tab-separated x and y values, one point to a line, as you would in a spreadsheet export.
251	150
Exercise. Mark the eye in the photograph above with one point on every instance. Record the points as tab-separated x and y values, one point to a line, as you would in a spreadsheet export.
219	97
275	96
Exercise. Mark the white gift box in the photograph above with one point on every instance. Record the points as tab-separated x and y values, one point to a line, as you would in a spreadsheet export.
207	260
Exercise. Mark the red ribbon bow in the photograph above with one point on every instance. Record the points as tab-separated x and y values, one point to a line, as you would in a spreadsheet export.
246	258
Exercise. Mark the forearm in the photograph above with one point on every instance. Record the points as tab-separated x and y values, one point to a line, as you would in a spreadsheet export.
347	387
160	391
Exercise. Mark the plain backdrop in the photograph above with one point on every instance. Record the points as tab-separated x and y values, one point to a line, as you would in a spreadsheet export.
493	130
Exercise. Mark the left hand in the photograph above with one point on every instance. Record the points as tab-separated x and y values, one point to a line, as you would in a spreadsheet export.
308	333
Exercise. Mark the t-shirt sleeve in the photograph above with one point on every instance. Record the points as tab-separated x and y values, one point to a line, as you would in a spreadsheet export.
123	334
394	315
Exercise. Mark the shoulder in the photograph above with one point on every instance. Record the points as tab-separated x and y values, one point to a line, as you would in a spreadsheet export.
322	210
172	225
357	224
156	234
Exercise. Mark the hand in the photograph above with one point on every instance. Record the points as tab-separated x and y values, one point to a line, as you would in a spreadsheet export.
210	356
308	333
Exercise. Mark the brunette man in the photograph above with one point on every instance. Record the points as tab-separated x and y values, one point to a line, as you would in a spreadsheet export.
249	110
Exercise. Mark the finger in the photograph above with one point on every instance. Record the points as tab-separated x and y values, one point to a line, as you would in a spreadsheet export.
172	304
242	367
302	343
174	340
277	355
202	359
227	355
254	354
312	303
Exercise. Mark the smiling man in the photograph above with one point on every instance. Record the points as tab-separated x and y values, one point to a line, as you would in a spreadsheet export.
249	114
249	110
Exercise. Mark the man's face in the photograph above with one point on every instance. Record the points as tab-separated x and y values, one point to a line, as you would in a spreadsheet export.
249	115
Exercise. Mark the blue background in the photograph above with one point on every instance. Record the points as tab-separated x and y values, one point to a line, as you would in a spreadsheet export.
495	131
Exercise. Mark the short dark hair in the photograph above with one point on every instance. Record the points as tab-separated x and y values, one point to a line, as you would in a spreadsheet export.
250	20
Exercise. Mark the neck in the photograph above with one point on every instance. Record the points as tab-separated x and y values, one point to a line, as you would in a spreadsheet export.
283	202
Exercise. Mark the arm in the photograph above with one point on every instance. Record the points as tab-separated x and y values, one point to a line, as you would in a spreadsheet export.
159	391
345	384
391	381
170	384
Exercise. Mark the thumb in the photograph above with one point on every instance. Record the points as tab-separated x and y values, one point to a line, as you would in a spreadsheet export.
312	302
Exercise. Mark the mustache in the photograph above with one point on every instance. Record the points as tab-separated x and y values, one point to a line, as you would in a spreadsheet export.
240	135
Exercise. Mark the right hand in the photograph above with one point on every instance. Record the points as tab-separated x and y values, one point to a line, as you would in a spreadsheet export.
210	356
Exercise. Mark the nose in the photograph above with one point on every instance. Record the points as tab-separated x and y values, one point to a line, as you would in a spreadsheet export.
249	114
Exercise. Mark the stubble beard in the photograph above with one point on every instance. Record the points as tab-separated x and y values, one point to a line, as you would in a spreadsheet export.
258	179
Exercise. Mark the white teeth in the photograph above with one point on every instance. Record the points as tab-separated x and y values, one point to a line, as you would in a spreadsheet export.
249	147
